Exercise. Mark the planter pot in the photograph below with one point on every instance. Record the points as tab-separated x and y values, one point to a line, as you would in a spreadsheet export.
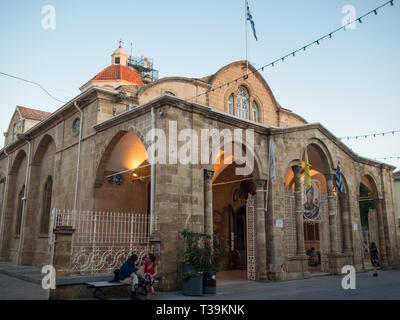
209	282
193	287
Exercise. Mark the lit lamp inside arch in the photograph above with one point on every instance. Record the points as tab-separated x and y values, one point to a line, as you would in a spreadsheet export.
129	156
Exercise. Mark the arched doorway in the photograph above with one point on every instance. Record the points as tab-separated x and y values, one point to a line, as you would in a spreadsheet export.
231	192
371	218
308	213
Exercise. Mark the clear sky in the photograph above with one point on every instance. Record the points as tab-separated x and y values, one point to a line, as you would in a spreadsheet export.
349	83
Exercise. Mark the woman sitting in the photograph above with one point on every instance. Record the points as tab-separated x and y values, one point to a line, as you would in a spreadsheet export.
148	272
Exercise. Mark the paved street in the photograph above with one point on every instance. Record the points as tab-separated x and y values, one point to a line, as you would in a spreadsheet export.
386	286
15	289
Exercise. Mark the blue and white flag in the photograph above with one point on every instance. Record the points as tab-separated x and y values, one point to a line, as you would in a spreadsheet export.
250	18
339	183
272	169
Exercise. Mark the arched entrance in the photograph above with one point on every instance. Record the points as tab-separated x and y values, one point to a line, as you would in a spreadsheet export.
371	217
312	214
231	193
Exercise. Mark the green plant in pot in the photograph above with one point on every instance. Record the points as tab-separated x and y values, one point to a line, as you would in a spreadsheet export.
192	278
203	255
211	255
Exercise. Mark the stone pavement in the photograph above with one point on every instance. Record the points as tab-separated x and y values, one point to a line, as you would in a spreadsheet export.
16	289
385	286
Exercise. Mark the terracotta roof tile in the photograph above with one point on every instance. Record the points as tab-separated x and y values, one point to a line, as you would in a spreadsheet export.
33	114
119	72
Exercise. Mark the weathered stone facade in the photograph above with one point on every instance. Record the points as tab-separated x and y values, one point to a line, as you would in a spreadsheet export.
190	195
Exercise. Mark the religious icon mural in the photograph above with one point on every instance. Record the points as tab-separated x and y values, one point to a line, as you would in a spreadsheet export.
312	201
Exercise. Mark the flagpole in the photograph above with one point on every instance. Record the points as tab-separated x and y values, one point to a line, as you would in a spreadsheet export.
245	21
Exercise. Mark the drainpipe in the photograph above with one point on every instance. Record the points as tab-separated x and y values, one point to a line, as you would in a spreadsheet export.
153	171
24	200
78	162
5	194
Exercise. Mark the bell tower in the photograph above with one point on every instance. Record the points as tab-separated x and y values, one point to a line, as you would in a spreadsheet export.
119	56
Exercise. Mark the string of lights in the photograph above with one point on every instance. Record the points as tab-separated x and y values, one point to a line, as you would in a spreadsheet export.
387	158
361	137
293	53
371	135
34	83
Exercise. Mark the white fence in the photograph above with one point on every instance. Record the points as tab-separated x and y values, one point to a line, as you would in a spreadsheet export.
102	241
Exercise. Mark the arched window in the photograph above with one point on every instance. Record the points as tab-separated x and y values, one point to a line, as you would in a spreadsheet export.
230	105
255	112
46	206
169	93
243	103
19	212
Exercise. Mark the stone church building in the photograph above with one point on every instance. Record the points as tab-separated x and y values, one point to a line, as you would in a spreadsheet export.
89	159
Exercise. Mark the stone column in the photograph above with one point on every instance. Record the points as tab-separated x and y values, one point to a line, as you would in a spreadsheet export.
381	231
299	211
62	251
330	180
208	205
261	243
345	210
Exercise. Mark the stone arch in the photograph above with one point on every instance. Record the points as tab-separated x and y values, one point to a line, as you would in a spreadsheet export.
258	169
369	180
42	166
323	152
109	146
42	147
377	228
17	161
13	214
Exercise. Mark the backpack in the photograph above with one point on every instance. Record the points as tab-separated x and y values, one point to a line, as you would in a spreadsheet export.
116	276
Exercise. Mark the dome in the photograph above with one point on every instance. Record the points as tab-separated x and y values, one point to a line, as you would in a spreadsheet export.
119	72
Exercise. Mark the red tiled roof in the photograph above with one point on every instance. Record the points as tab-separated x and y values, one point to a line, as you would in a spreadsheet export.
33	114
119	72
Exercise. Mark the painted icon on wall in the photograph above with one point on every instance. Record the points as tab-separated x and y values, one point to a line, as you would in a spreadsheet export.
312	201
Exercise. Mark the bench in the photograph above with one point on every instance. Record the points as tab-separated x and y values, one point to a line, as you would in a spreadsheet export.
99	285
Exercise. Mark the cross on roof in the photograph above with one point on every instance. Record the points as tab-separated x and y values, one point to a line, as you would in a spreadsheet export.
120	42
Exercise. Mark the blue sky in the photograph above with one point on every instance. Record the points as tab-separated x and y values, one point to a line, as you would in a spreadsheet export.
349	83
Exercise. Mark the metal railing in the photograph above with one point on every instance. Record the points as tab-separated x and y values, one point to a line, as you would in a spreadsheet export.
103	240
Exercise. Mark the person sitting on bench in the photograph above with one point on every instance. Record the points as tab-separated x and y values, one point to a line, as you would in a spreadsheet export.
128	275
148	272
313	257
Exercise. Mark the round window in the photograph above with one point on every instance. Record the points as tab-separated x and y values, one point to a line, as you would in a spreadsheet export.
76	126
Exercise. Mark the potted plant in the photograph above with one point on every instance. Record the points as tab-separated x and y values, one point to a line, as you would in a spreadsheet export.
192	283
210	258
202	256
192	278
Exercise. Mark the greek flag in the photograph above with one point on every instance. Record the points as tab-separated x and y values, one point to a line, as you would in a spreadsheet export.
250	18
272	170
339	184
